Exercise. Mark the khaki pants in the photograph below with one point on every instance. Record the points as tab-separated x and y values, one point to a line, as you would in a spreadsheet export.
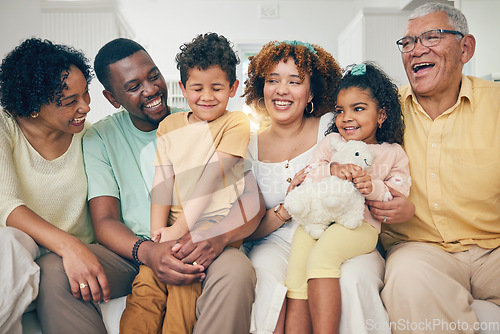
429	290
225	304
147	304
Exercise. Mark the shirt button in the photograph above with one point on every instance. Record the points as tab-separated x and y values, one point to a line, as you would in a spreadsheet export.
433	175
435	206
289	180
286	166
433	145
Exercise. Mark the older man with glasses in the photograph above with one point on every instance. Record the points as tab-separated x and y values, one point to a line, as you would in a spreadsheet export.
448	254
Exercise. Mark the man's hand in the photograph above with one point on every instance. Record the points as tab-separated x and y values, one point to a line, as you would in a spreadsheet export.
203	252
170	270
395	211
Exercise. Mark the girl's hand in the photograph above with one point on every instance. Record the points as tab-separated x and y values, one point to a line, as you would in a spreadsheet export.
85	274
363	183
345	172
298	179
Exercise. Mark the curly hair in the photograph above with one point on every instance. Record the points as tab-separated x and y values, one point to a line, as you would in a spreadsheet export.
207	50
311	59
34	74
385	94
110	53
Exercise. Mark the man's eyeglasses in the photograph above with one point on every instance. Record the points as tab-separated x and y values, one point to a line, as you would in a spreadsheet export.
428	38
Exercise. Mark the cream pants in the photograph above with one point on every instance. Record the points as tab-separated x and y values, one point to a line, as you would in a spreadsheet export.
429	290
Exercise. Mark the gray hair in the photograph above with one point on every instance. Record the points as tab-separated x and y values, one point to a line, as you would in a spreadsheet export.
455	17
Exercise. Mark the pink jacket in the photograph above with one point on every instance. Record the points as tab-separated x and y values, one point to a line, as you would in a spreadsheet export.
390	168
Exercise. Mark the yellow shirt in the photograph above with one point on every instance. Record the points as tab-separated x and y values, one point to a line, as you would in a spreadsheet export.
189	148
455	168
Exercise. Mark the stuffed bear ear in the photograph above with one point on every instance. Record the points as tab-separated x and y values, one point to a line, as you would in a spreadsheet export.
334	144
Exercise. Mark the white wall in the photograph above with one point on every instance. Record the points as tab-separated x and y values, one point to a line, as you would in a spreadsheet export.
483	17
18	19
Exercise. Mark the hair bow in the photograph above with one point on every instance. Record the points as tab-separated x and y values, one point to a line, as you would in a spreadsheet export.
299	43
358	69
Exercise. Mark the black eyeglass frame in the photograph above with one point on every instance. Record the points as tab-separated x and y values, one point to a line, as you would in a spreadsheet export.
399	42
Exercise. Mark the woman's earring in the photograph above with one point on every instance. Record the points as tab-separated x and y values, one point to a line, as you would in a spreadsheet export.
379	125
312	108
34	114
258	104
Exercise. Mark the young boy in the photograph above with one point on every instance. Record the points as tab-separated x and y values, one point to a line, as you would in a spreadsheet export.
198	177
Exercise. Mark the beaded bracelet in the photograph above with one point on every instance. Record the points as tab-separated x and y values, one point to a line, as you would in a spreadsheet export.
135	249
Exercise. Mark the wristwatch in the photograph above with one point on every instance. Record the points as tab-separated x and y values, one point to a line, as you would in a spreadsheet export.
277	209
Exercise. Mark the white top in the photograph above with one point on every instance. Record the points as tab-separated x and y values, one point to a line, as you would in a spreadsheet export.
56	190
274	178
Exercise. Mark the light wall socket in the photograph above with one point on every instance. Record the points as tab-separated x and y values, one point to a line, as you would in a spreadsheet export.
268	10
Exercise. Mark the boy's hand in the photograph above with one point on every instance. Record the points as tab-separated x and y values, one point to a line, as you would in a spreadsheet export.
170	270
202	253
363	183
166	234
163	234
156	235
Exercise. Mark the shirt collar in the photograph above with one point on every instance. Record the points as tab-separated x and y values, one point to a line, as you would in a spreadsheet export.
466	91
408	96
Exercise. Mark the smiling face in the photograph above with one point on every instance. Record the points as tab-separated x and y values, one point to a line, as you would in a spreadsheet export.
138	85
435	70
285	94
69	116
358	115
207	93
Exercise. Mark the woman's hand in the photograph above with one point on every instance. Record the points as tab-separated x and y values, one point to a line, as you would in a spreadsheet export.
398	210
82	266
298	179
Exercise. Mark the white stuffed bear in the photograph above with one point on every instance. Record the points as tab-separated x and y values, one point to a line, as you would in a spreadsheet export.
316	205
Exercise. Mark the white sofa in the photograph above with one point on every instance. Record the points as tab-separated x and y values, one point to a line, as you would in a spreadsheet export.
488	313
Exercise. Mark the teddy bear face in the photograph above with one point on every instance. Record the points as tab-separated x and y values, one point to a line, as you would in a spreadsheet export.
352	152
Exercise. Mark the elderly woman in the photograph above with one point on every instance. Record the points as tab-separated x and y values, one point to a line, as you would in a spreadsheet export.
43	208
293	82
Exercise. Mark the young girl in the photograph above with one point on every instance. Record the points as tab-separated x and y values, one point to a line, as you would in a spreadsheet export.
367	110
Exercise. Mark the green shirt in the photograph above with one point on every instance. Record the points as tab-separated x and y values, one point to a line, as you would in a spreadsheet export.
119	163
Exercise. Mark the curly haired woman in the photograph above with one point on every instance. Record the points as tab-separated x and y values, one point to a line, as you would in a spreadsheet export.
294	83
43	202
